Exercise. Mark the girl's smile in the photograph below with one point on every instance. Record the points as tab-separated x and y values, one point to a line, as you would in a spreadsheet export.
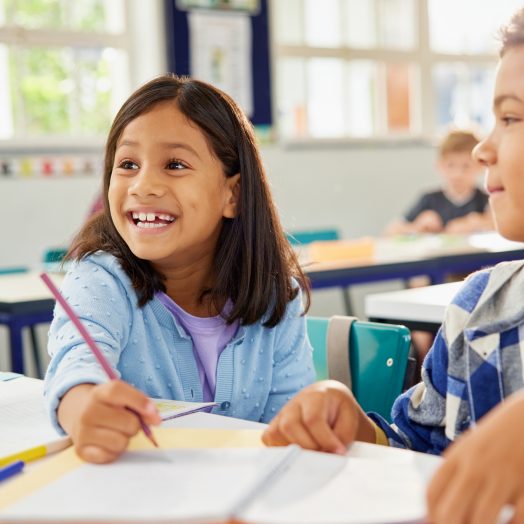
147	219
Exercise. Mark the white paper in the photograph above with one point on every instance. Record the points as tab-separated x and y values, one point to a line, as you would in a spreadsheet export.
357	489
220	53
183	484
212	484
24	420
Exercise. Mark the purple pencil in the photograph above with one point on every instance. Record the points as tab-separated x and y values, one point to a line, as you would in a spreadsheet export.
92	345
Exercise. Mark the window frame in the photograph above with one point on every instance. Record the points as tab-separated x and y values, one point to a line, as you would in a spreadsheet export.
421	55
27	38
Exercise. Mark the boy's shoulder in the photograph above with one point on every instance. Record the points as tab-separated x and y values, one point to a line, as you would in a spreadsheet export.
502	280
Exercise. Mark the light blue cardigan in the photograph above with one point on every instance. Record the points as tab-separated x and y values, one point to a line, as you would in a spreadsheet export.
257	373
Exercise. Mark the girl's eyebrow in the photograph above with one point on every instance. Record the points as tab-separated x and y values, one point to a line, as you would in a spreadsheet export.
166	145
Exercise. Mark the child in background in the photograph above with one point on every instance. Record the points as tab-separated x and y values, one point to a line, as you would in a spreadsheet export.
470	404
185	280
459	207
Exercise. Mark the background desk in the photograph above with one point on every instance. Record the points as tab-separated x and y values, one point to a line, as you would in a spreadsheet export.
418	308
24	302
401	258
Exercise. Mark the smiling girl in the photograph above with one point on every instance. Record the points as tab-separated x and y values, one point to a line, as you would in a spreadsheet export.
185	281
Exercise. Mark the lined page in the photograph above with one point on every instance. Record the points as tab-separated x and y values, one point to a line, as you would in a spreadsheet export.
24	420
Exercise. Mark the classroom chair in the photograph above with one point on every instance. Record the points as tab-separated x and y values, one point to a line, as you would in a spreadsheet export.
297	238
369	357
53	257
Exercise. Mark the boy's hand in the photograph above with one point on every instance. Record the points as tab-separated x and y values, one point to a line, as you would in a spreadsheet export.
483	470
99	423
428	222
324	417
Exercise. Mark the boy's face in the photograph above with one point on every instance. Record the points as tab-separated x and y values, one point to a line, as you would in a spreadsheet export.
460	172
502	152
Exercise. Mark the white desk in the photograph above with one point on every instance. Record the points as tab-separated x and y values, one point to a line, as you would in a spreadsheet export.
24	302
417	308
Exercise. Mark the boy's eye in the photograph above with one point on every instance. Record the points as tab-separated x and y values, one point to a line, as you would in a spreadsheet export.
127	164
175	165
507	120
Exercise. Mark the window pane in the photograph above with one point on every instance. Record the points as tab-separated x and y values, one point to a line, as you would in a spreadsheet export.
289	22
59	91
323	23
398	96
360	23
87	15
397	24
325	105
461	92
291	91
362	94
39	89
467	26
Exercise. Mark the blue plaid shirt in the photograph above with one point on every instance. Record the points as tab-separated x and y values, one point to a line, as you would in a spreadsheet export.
476	361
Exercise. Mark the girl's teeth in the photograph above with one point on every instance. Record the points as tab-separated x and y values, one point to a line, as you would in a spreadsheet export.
149	218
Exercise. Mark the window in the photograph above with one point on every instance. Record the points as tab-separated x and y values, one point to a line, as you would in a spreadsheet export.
63	68
384	68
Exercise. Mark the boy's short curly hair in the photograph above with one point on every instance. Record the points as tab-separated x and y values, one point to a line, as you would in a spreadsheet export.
512	34
458	141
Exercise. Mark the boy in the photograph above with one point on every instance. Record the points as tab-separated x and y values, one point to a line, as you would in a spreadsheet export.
459	207
475	364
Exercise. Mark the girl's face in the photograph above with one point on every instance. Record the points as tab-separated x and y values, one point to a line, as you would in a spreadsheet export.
502	152
168	193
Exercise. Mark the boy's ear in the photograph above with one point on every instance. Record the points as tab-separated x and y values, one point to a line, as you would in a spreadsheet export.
233	198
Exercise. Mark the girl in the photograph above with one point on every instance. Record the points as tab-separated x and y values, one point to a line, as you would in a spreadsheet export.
185	281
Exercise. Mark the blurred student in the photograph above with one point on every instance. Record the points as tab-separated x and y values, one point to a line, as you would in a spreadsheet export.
185	279
459	206
470	404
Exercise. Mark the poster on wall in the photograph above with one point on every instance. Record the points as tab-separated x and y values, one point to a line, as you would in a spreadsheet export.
220	53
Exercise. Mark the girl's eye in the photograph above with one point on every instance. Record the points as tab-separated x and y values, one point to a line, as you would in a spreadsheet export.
174	165
127	164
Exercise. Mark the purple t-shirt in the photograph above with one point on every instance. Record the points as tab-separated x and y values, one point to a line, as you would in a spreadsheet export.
210	336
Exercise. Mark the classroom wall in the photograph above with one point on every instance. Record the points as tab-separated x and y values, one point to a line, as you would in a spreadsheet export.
355	189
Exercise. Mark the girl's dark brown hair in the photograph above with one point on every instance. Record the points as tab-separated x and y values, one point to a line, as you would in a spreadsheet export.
254	263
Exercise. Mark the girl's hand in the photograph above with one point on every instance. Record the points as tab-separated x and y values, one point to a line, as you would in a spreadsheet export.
98	422
324	417
483	470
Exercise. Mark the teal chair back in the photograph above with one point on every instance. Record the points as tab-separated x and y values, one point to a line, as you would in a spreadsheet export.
14	269
378	355
313	235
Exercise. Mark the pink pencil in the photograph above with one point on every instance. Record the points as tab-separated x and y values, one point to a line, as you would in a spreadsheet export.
92	345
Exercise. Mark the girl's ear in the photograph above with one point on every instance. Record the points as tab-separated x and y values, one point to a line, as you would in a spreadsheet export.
233	196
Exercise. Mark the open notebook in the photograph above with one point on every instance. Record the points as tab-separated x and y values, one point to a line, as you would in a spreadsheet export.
25	428
249	484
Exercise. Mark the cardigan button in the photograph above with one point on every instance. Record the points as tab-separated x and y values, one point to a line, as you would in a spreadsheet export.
225	405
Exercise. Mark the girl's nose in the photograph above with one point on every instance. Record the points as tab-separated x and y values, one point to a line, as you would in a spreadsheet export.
147	183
